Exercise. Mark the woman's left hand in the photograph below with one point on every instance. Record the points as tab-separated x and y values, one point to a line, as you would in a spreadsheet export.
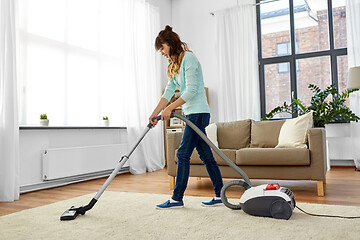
165	115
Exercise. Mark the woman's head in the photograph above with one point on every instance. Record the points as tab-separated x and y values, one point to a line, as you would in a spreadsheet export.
169	40
170	46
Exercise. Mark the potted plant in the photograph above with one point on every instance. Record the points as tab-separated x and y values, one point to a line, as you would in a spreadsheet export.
43	120
106	121
325	111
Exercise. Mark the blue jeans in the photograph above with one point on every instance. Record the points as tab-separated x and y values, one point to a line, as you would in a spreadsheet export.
189	141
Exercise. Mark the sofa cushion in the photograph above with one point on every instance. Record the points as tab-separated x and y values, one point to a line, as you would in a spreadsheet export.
195	159
265	134
273	156
234	135
293	133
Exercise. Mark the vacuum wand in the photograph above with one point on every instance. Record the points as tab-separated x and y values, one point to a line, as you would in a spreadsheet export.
73	212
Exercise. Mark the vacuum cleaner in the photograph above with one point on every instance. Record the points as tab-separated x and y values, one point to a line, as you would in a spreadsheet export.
265	200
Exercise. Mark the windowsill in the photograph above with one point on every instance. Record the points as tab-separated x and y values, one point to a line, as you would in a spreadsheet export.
338	122
34	127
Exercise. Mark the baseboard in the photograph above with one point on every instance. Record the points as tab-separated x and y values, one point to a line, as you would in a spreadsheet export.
342	162
68	180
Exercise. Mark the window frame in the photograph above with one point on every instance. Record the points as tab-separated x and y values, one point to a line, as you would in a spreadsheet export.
293	56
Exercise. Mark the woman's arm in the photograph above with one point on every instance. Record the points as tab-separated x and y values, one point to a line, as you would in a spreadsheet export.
165	98
161	105
165	115
176	104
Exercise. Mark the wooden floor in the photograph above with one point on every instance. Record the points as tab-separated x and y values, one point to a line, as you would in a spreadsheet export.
342	188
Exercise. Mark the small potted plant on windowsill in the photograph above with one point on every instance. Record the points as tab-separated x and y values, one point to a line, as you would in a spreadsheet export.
106	121
43	120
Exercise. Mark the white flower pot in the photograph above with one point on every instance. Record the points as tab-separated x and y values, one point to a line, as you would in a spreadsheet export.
105	123
44	122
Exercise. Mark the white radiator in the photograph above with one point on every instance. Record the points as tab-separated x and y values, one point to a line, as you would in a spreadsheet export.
68	162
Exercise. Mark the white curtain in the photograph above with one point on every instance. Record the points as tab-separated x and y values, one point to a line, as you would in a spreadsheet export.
353	32
143	88
9	127
353	51
236	49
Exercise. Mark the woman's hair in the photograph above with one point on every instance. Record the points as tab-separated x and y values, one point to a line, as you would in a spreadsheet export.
177	49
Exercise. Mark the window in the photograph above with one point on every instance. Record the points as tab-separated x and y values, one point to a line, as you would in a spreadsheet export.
283	49
283	67
306	40
69	62
75	58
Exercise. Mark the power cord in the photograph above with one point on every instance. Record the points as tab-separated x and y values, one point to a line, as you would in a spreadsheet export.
319	215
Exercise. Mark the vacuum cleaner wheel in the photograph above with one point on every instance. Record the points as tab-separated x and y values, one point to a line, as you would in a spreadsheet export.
280	209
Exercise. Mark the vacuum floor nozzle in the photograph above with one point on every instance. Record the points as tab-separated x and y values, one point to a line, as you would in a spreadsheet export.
73	212
69	214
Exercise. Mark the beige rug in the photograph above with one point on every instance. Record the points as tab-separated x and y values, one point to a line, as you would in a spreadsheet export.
121	215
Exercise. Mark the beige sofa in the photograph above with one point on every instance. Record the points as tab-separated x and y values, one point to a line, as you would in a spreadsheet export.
251	145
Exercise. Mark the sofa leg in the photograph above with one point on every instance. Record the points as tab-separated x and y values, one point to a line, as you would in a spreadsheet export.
198	178
320	188
172	182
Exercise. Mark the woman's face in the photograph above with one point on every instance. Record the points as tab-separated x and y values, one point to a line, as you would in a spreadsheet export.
165	50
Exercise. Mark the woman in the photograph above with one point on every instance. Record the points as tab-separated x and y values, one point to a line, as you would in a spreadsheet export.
184	72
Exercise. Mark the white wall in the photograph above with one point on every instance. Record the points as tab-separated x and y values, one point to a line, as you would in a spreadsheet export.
193	22
34	142
355	126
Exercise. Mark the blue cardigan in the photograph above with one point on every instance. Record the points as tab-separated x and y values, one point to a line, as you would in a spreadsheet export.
190	83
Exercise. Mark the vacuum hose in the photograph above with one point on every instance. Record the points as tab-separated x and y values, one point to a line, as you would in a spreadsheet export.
247	184
217	150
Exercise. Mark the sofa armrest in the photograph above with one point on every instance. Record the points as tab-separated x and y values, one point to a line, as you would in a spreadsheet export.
318	157
173	143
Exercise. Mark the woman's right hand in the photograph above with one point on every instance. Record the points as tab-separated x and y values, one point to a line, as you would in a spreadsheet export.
151	120
161	105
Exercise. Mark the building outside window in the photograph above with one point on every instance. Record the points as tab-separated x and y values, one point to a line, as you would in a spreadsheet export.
300	42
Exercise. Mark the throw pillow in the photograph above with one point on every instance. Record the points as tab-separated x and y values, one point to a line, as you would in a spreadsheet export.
293	133
234	135
265	134
211	132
